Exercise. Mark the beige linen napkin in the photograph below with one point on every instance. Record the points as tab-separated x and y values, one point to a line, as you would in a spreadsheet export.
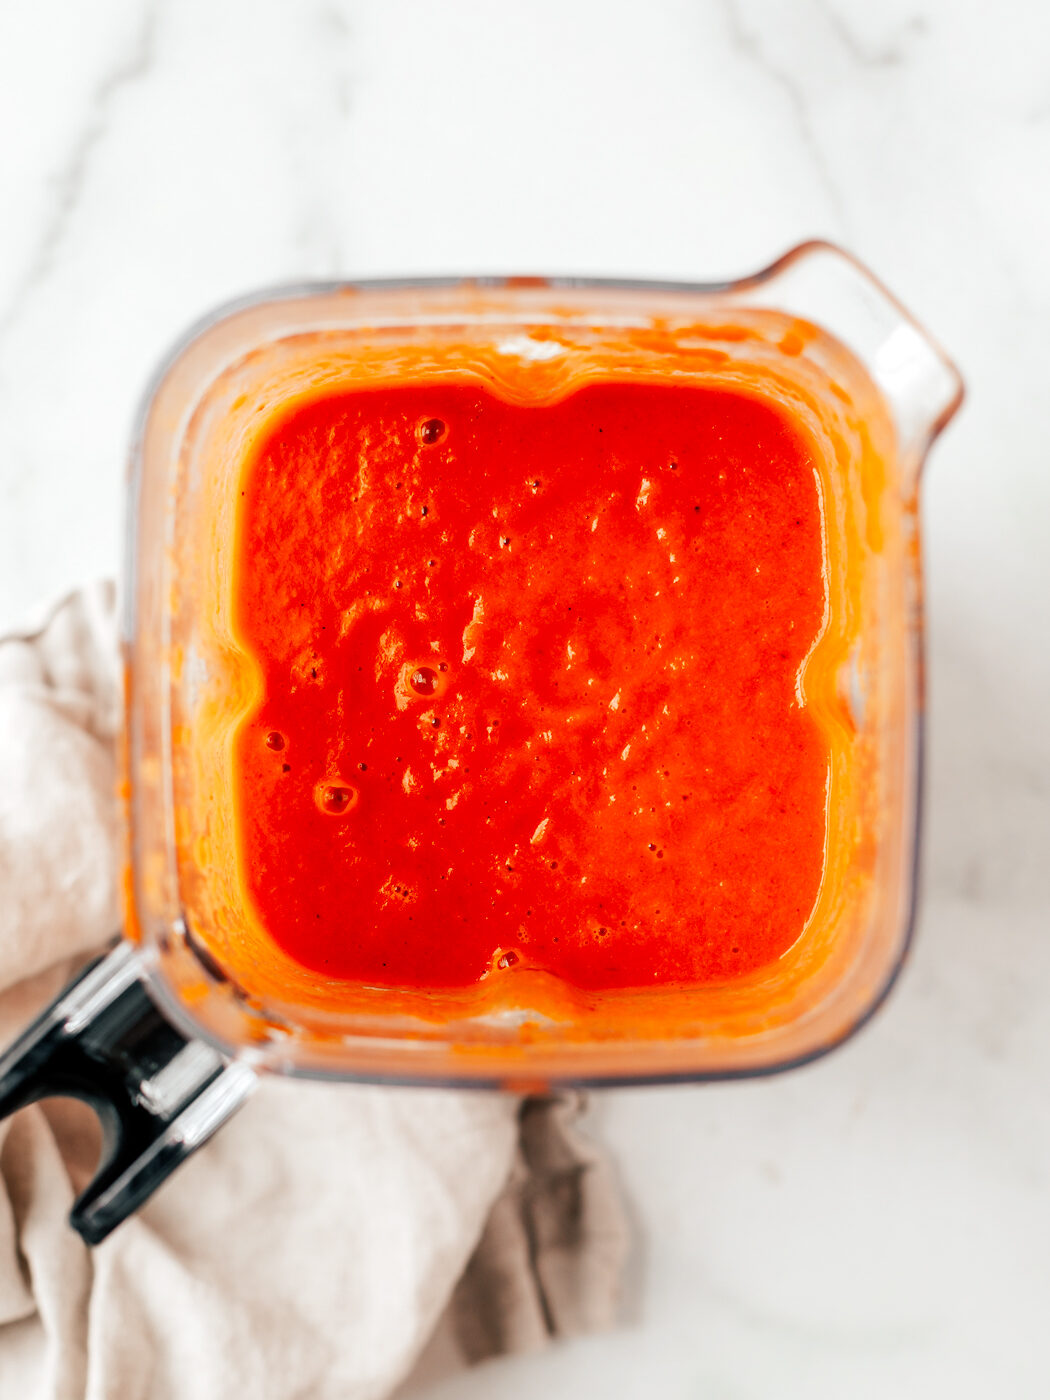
313	1247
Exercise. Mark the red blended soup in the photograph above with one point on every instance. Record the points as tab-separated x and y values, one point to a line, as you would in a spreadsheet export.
530	683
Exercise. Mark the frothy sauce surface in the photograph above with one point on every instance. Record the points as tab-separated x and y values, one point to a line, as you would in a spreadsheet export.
530	689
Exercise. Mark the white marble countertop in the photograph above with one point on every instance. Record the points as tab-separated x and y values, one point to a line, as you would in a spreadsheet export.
878	1224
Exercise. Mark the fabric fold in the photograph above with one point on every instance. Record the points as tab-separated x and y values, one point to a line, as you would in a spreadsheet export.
327	1232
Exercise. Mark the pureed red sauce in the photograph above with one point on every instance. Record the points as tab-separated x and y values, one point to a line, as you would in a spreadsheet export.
530	684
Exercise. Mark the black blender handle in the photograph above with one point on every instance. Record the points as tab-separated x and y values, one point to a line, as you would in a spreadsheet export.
159	1095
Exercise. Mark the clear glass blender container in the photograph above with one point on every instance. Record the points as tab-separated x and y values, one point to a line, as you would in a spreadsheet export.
214	1009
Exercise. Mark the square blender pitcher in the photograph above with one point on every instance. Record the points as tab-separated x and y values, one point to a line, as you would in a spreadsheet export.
523	687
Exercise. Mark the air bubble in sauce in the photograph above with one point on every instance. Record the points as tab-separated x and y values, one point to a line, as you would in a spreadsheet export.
336	798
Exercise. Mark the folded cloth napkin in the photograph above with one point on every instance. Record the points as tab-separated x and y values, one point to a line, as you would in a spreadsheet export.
313	1247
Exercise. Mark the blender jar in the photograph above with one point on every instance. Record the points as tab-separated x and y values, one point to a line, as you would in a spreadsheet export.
167	1034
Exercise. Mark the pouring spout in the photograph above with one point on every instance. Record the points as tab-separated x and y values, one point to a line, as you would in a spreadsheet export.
822	283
